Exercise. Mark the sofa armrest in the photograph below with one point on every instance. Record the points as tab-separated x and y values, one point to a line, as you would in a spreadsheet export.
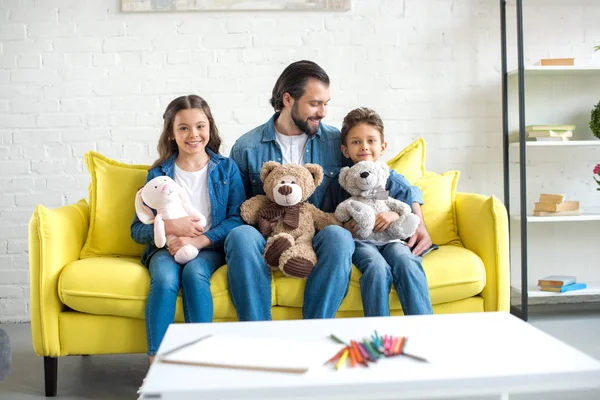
483	229
55	240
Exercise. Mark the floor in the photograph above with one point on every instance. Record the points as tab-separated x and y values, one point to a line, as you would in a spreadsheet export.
119	376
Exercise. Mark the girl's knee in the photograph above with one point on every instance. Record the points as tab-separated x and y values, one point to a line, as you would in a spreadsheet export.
195	270
165	281
243	233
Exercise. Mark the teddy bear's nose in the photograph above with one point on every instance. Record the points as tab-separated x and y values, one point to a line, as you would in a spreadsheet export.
284	190
364	174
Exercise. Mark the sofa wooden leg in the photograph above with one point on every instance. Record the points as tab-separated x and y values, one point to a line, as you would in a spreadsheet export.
50	375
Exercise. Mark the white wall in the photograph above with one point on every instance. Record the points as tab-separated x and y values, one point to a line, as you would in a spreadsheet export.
80	75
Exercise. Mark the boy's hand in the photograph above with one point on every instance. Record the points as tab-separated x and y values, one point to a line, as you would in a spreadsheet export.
351	226
420	240
384	220
184	226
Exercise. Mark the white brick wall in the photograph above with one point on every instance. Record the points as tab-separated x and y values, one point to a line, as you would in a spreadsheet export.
78	76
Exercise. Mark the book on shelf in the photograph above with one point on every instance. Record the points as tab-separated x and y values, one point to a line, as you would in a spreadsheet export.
555	207
556	280
550	133
551	198
557	61
548	139
557	213
545	128
567	288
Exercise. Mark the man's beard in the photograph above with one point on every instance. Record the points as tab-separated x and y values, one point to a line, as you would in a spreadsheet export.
303	124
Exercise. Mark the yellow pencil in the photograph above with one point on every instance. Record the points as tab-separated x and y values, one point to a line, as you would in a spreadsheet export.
342	359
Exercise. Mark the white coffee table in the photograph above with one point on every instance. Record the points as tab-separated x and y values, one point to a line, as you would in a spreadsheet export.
470	354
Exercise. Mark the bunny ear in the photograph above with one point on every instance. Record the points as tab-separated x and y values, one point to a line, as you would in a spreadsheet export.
144	213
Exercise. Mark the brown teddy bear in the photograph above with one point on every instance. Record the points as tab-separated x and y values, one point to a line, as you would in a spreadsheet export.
285	218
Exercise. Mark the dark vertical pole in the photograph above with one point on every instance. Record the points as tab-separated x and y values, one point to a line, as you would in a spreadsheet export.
50	375
522	160
505	148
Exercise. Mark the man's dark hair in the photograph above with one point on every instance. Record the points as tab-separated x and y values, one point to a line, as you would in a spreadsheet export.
293	81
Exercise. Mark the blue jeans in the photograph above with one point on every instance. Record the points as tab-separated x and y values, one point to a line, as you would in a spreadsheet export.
382	265
166	277
250	278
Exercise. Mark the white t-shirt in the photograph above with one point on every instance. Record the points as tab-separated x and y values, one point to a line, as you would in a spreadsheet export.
196	185
292	147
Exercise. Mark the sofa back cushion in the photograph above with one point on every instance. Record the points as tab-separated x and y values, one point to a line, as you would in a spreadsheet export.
111	194
410	162
439	206
439	192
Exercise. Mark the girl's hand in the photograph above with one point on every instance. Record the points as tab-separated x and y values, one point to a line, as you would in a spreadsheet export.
178	242
420	241
184	226
384	220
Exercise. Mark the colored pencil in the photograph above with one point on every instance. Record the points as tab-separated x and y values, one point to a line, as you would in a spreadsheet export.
372	352
338	355
352	356
363	352
337	339
359	356
342	359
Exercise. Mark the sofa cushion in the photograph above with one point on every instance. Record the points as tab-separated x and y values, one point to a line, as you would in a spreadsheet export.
439	206
119	286
410	162
112	194
453	273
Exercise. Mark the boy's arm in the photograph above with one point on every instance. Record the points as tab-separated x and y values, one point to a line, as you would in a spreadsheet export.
420	241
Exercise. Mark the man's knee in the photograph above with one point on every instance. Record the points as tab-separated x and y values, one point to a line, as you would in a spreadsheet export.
335	238
241	236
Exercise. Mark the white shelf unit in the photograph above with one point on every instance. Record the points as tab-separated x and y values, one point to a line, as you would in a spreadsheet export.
556	95
538	297
558	143
563	218
558	69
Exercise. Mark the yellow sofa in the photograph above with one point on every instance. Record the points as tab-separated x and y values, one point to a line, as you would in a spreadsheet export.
88	287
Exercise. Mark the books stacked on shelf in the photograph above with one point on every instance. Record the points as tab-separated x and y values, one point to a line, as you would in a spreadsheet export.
560	284
553	133
555	205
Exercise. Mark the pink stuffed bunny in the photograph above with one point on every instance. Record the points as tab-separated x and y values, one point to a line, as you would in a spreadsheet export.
170	201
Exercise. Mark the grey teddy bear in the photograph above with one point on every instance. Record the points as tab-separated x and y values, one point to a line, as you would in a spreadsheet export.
366	181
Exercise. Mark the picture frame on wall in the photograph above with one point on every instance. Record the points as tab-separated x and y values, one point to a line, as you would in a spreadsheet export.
234	5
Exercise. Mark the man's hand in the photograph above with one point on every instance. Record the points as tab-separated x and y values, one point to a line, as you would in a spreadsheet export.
384	220
184	226
420	240
351	226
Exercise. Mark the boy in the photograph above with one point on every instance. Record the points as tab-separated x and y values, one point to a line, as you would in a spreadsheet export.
383	263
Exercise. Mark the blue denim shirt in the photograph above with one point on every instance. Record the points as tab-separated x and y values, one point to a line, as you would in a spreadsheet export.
397	185
258	146
225	192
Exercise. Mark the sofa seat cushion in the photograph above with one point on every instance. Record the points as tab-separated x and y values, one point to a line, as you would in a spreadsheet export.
119	286
453	273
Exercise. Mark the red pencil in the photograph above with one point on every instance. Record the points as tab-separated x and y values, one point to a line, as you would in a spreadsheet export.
338	355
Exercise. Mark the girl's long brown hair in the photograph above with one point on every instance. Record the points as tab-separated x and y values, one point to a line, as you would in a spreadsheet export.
168	147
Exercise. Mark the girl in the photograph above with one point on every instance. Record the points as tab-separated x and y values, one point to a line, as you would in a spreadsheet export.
188	150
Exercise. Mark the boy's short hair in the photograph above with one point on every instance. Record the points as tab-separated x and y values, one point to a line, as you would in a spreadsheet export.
361	115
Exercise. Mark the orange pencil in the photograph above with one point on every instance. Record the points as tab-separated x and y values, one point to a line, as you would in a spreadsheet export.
359	356
338	355
352	356
399	345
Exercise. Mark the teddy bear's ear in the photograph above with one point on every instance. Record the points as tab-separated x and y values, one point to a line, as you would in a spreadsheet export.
144	213
316	171
343	172
267	168
385	169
